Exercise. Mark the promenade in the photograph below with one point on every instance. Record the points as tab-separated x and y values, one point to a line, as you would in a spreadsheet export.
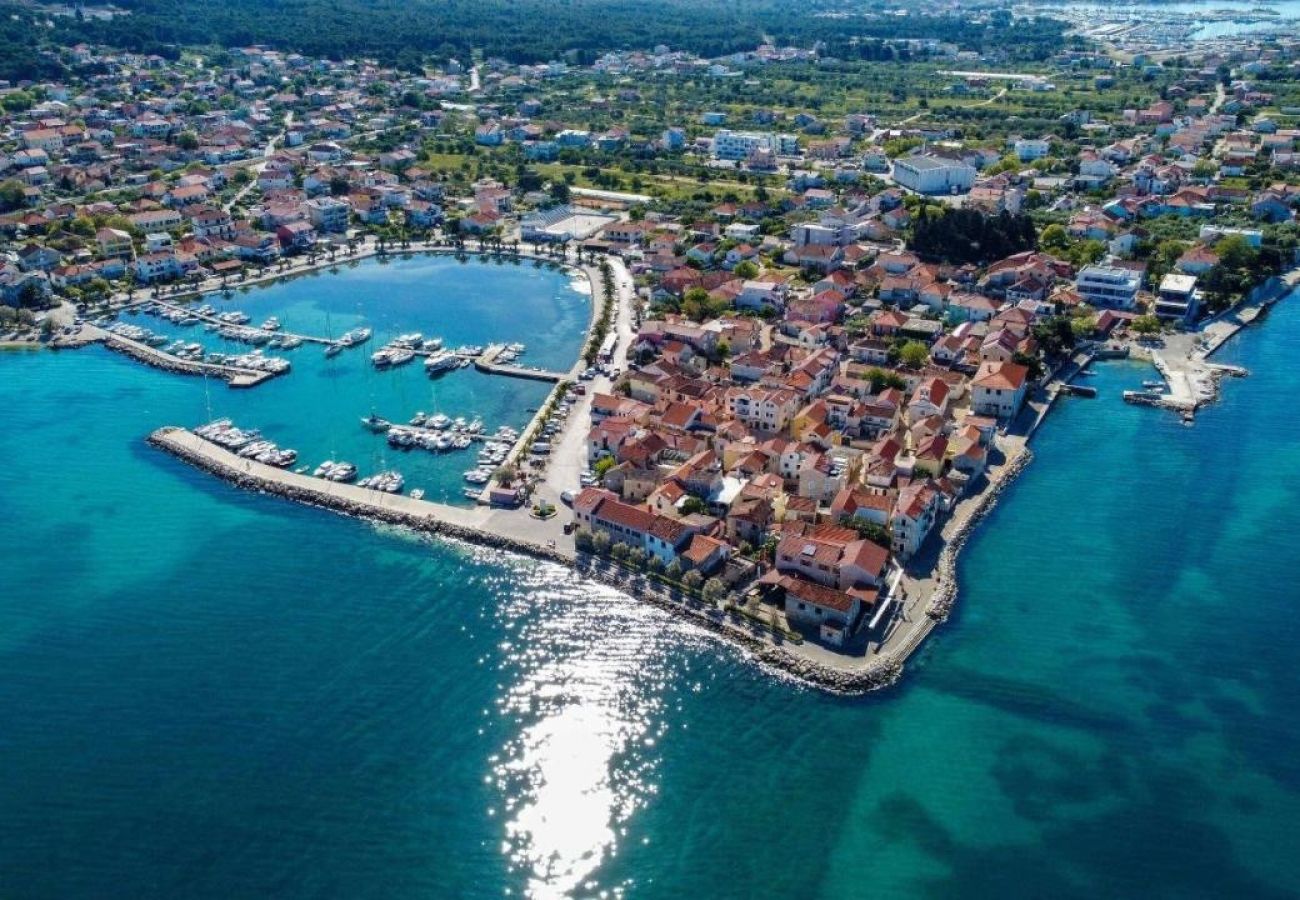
476	523
234	376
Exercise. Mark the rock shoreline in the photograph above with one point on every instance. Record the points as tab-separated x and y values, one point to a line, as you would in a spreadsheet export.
773	658
945	596
167	363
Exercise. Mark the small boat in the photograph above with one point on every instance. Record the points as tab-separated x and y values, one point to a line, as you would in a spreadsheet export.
356	336
438	421
440	362
343	472
375	423
400	356
271	324
382	359
333	350
417	494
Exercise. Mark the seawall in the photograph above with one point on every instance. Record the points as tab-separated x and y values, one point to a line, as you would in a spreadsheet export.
473	526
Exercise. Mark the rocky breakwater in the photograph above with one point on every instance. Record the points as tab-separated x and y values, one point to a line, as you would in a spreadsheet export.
255	479
423	518
783	660
945	595
234	376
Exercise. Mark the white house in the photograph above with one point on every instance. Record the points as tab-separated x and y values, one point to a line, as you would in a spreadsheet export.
999	388
1029	149
1111	286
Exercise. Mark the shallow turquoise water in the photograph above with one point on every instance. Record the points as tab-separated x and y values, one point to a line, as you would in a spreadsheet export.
210	693
316	409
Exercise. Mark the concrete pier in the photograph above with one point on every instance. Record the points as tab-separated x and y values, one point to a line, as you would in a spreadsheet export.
234	376
487	363
189	311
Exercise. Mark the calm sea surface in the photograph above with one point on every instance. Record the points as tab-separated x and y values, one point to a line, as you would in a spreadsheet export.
207	693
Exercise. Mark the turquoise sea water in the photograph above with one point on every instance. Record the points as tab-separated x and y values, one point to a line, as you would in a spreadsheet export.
317	408
209	693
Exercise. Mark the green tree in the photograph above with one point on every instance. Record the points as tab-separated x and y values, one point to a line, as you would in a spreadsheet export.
603	465
714	590
745	269
11	195
1147	324
692	581
914	354
692	505
1054	239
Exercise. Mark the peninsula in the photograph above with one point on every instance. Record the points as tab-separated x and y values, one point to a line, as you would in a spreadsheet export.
822	331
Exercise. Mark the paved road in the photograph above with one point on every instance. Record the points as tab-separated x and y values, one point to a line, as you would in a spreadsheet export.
267	152
569	449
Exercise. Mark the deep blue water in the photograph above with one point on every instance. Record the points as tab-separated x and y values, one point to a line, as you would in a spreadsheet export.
210	693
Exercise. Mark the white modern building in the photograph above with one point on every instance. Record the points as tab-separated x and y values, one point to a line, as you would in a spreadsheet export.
328	213
728	144
933	175
1029	149
1178	299
1108	286
563	224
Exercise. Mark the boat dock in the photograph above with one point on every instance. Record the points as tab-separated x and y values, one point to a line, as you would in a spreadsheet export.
487	363
497	528
214	320
234	376
1079	390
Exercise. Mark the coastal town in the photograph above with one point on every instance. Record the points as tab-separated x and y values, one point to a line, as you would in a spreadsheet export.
825	322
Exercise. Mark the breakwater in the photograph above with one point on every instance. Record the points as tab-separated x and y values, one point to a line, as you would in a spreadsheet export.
877	674
945	596
475	526
232	375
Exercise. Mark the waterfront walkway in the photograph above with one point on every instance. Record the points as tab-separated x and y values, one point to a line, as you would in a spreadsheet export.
487	363
516	525
213	319
235	376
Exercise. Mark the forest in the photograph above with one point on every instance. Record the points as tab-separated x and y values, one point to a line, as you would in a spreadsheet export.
970	236
405	33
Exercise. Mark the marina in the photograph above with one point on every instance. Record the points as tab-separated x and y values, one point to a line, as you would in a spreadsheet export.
344	407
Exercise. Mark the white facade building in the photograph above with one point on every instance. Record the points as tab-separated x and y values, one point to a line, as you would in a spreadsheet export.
728	144
933	175
1108	286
